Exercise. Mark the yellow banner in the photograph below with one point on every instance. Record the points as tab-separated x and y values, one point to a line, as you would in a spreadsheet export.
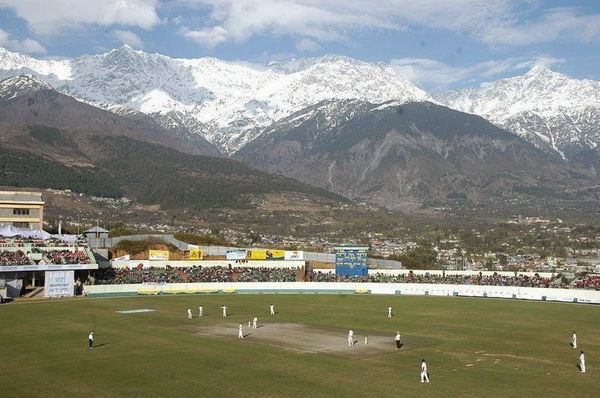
158	255
196	254
275	254
256	255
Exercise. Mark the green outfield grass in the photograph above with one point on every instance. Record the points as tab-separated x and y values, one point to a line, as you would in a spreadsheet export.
474	348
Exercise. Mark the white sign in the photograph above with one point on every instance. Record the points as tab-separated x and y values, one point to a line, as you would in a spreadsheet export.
59	283
239	254
46	267
294	255
122	258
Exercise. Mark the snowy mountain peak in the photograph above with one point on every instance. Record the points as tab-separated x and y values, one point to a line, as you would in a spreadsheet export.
540	70
232	101
552	110
19	85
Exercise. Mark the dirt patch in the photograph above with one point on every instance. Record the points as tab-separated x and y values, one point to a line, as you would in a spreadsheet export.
308	339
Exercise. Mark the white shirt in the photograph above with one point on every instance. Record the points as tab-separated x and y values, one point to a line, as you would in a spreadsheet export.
398	337
350	333
255	319
582	358
423	367
91	336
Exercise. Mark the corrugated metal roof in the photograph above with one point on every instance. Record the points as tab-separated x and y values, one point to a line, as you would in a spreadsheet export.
21	197
95	230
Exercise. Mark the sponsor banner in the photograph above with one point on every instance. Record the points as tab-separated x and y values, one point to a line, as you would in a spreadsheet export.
158	255
139	264
257	254
294	255
237	254
46	267
275	254
122	258
196	254
59	283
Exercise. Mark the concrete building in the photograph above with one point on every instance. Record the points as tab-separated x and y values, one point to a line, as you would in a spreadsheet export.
21	209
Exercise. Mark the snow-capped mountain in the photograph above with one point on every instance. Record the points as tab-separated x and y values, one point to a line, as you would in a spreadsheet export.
226	102
549	109
19	85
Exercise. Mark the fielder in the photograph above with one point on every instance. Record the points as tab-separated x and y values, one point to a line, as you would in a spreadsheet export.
189	313
574	340
582	362
272	308
224	308
91	340
255	322
397	338
241	331
201	311
389	312
350	338
424	375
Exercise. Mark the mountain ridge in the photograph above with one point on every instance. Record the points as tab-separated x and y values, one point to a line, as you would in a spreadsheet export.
232	100
553	111
408	156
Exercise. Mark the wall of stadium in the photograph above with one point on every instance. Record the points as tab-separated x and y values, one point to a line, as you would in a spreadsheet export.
441	272
210	263
523	293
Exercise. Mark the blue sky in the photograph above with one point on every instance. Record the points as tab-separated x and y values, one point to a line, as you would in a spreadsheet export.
438	44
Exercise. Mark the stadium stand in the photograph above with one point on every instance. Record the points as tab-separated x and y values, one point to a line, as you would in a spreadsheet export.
492	280
588	281
19	251
14	257
109	276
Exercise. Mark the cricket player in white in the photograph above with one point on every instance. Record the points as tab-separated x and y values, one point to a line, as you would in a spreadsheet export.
201	311
397	338
189	313
255	323
389	312
350	338
582	362
424	375
574	340
224	308
91	339
241	332
272	308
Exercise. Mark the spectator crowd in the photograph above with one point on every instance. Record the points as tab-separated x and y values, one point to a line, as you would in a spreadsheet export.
14	257
65	257
477	279
109	276
588	281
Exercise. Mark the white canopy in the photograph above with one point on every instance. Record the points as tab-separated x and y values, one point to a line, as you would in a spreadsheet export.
8	231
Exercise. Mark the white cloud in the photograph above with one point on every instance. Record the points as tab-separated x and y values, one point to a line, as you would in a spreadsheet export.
239	20
207	37
308	45
437	76
555	23
495	22
46	17
128	37
27	46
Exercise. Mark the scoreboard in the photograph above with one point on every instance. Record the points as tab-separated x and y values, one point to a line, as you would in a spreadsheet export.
351	260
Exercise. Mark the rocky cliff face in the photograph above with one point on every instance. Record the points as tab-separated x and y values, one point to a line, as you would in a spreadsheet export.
403	156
